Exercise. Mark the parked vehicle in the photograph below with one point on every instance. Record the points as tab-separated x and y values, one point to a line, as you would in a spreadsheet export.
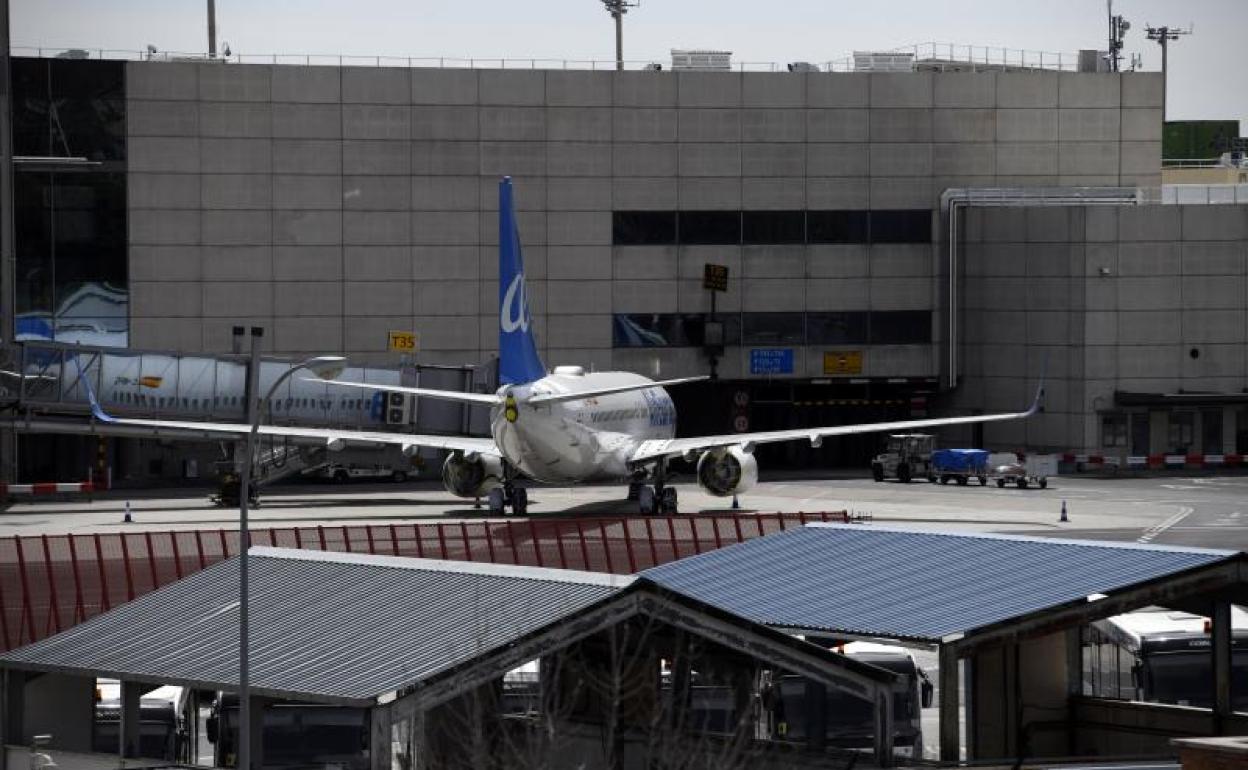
162	734
1023	471
344	472
849	721
1159	655
960	465
297	736
906	456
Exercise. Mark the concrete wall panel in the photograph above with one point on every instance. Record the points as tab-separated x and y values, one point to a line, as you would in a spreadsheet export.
307	85
376	85
242	119
444	86
512	87
162	80
965	89
237	227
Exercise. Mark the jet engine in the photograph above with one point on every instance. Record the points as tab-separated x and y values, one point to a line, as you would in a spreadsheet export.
727	472
471	476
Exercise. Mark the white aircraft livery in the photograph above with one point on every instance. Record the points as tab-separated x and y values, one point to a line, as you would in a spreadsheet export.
565	425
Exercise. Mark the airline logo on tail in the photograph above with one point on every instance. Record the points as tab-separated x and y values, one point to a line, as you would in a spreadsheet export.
515	313
518	361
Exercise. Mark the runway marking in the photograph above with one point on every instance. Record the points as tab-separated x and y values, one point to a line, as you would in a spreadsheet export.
1154	531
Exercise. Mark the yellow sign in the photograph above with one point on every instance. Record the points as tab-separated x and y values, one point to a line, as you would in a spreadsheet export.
842	362
404	342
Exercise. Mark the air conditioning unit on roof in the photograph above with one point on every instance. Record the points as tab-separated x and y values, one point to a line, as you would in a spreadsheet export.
701	60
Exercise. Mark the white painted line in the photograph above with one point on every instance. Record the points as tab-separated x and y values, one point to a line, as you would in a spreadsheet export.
1153	532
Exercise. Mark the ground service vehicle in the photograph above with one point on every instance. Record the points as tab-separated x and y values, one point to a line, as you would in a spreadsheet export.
296	735
344	472
850	722
161	732
1161	656
1022	471
960	465
906	456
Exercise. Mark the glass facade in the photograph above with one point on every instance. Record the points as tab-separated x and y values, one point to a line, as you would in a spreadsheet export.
69	134
690	228
881	327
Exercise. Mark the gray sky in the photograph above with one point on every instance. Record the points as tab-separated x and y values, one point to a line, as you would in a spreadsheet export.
1205	68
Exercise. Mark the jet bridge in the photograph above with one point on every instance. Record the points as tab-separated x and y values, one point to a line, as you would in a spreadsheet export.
45	386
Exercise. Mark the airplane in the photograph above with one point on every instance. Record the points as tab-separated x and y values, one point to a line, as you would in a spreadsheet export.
562	426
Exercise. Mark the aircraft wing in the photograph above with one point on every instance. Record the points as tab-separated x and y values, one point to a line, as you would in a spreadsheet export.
216	431
485	399
655	449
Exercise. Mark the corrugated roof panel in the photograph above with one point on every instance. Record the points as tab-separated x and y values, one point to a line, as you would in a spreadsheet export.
911	584
328	625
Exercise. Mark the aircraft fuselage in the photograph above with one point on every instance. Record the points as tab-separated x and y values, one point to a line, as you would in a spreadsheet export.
586	439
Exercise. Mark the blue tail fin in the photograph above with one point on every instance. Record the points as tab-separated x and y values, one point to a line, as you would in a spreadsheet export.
517	350
96	409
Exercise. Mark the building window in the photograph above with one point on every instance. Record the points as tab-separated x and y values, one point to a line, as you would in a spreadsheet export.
901	327
901	226
1114	429
773	329
1181	431
837	227
1211	431
709	227
667	330
643	228
848	328
758	227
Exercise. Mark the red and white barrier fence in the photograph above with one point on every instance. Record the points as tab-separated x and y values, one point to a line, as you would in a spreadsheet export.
1154	461
46	488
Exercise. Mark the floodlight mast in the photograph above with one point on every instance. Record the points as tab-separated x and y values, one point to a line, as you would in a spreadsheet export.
1163	36
617	9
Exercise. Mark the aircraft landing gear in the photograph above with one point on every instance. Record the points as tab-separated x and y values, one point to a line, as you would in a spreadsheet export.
659	498
509	495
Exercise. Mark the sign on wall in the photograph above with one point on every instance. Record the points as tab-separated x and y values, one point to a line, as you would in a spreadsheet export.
404	342
715	277
771	360
842	362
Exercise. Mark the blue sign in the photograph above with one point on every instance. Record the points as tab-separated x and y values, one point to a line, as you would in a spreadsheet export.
771	360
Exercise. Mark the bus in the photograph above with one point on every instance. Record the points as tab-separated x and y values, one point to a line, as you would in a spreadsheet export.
850	721
1157	655
296	735
162	733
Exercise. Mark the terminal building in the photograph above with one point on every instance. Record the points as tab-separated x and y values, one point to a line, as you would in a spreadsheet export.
898	244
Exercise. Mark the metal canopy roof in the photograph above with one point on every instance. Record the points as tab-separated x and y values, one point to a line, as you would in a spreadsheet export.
324	626
912	584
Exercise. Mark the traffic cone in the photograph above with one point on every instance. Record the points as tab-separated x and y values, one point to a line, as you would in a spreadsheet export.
1064	518
127	519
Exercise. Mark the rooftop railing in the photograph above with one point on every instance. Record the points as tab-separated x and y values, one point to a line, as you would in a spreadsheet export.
928	56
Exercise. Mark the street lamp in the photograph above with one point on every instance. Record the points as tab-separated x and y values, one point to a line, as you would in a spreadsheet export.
325	368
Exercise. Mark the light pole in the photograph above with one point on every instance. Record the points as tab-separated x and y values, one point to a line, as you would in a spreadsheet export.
326	368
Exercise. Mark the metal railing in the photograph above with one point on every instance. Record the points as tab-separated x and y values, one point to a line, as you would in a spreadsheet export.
49	583
930	55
